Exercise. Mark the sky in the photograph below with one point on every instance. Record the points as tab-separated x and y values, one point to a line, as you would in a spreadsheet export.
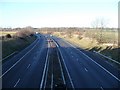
57	13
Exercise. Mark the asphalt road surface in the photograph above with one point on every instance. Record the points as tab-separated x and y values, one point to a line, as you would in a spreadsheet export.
25	70
85	69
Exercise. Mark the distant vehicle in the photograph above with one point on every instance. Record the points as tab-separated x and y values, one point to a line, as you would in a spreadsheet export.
36	32
49	40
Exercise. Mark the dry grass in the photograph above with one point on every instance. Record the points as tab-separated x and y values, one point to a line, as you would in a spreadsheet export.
92	44
19	41
3	33
15	44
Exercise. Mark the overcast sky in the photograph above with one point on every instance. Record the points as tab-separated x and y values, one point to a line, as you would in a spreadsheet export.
57	13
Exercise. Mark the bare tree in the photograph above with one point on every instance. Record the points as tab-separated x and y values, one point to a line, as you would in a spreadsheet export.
95	23
99	23
102	26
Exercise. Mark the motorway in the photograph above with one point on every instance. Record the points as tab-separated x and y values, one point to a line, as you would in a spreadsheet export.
84	69
25	70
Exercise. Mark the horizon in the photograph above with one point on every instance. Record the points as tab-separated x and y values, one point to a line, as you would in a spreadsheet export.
58	27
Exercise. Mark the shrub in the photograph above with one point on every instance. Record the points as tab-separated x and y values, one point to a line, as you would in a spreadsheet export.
24	33
3	37
31	35
8	36
80	37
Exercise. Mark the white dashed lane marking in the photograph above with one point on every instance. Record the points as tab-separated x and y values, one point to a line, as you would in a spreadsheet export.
28	66
77	59
17	82
101	88
86	70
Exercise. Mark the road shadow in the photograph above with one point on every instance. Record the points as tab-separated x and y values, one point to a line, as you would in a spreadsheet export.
95	49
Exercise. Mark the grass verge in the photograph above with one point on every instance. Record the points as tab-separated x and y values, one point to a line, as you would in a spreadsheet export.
15	44
91	45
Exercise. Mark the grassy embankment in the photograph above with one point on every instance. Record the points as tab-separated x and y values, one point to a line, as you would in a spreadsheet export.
3	33
90	42
10	45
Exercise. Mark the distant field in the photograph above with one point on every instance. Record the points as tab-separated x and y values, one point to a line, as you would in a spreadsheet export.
106	36
3	33
89	41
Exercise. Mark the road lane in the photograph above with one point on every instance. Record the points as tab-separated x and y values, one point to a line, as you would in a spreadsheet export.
83	72
22	76
9	63
96	77
53	77
98	59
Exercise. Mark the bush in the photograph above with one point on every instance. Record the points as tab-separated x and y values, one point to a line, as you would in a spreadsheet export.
31	35
24	33
80	37
3	37
8	36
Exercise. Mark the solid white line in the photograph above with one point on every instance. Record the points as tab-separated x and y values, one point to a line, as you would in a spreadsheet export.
28	66
16	51
17	82
8	56
46	72
67	70
65	66
17	62
101	67
52	81
41	84
107	57
97	63
86	70
101	88
61	68
69	43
